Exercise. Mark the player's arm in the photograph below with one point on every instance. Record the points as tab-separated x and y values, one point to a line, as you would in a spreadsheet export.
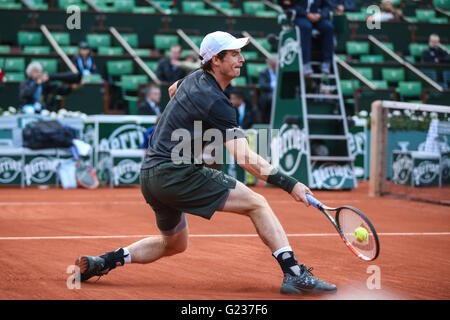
257	166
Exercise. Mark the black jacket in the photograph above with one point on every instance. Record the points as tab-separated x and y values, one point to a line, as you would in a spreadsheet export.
435	55
48	96
166	73
318	6
145	109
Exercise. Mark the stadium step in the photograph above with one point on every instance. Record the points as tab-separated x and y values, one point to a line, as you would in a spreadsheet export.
321	96
325	117
331	158
327	137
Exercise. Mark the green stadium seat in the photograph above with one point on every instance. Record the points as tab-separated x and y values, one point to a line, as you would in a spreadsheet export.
131	39
92	78
132	104
410	88
164	41
48	65
439	20
371	58
192	6
357	48
15	64
410	59
132	82
348	87
10	5
147	10
254	69
98	40
152	65
5	49
63	39
266	13
416	49
197	40
63	4
110	51
119	67
366	72
356	16
223	4
250	55
250	7
341	56
442	3
36	49
70	50
234	11
424	15
389	45
25	38
393	74
15	77
264	43
239	81
143	52
380	84
163	3
124	5
206	12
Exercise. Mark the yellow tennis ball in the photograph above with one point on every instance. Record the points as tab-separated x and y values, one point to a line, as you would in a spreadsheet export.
361	234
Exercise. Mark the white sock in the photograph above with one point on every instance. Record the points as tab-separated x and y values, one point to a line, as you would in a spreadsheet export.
127	255
281	250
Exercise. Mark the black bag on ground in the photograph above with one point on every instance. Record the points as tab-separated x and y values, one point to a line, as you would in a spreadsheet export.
47	134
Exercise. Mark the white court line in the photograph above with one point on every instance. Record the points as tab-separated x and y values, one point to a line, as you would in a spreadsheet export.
231	235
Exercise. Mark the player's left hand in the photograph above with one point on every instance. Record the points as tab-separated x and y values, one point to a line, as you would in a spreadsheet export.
299	193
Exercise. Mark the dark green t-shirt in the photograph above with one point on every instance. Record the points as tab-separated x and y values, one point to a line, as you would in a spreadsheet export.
199	104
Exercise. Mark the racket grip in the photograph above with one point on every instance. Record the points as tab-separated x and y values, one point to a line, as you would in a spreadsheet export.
313	201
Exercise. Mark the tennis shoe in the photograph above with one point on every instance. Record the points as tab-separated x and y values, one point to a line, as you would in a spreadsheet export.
91	266
305	283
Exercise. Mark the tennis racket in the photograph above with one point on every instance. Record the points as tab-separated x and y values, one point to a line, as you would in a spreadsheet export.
348	221
85	175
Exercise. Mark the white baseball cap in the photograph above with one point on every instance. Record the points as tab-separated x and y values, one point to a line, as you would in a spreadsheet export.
217	41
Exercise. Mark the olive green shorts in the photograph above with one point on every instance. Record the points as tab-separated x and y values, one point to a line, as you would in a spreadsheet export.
172	189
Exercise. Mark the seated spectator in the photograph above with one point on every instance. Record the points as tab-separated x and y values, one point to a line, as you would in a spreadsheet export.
435	54
83	61
150	105
315	14
267	84
37	92
190	63
342	6
388	12
246	114
168	70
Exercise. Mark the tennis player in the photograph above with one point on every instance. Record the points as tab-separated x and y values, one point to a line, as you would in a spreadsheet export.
174	188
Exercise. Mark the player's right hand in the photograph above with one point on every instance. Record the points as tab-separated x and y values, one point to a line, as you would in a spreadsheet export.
299	193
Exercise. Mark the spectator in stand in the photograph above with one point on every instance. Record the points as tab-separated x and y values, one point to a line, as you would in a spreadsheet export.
267	84
84	61
190	63
38	92
315	14
435	54
342	6
169	69
150	106
246	113
388	12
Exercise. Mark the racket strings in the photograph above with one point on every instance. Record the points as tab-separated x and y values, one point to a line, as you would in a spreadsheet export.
349	221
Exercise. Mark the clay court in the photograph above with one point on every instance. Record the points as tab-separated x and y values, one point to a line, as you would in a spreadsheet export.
43	231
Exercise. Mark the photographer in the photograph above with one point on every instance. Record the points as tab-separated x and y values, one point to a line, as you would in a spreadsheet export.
38	92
